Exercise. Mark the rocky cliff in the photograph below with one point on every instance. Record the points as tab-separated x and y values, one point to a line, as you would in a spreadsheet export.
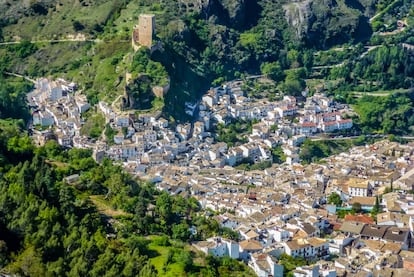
327	22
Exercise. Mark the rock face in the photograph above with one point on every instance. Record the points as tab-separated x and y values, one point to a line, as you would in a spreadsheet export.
138	94
238	14
327	22
13	10
321	21
298	15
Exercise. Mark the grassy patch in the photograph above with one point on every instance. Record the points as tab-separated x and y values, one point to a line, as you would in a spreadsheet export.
129	16
105	208
164	261
103	77
169	258
58	22
57	164
49	59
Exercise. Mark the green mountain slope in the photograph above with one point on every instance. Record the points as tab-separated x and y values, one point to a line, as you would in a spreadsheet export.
203	41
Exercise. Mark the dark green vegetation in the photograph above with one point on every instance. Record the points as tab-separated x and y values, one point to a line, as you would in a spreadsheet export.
391	11
289	263
234	133
13	98
384	68
390	114
335	199
277	155
249	165
313	151
93	225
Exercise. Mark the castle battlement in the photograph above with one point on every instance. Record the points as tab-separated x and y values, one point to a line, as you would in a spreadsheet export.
143	33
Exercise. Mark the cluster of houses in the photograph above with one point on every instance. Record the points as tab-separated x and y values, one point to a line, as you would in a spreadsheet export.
284	122
282	209
146	140
318	114
56	103
285	210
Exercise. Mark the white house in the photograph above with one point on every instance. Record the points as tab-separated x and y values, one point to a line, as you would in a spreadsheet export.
337	244
307	271
307	248
249	247
118	139
296	140
329	126
307	128
219	247
358	187
265	265
209	100
122	121
286	110
82	103
42	118
344	124
56	93
279	235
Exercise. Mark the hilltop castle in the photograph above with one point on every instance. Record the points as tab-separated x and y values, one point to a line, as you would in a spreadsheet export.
144	32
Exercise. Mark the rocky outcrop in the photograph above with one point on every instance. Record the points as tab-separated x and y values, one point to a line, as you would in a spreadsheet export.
297	16
13	10
139	93
325	22
238	14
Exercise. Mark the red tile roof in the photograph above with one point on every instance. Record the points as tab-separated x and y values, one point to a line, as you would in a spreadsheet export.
359	218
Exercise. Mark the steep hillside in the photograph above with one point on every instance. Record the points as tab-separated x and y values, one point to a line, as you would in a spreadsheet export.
46	19
204	41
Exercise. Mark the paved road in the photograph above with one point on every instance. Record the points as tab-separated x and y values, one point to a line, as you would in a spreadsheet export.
382	11
21	76
316	138
354	137
334	138
381	94
53	41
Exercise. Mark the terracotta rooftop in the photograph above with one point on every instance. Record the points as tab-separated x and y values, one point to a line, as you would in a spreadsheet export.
359	218
251	245
364	201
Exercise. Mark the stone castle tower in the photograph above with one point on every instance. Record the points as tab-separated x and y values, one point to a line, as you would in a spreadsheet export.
144	32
